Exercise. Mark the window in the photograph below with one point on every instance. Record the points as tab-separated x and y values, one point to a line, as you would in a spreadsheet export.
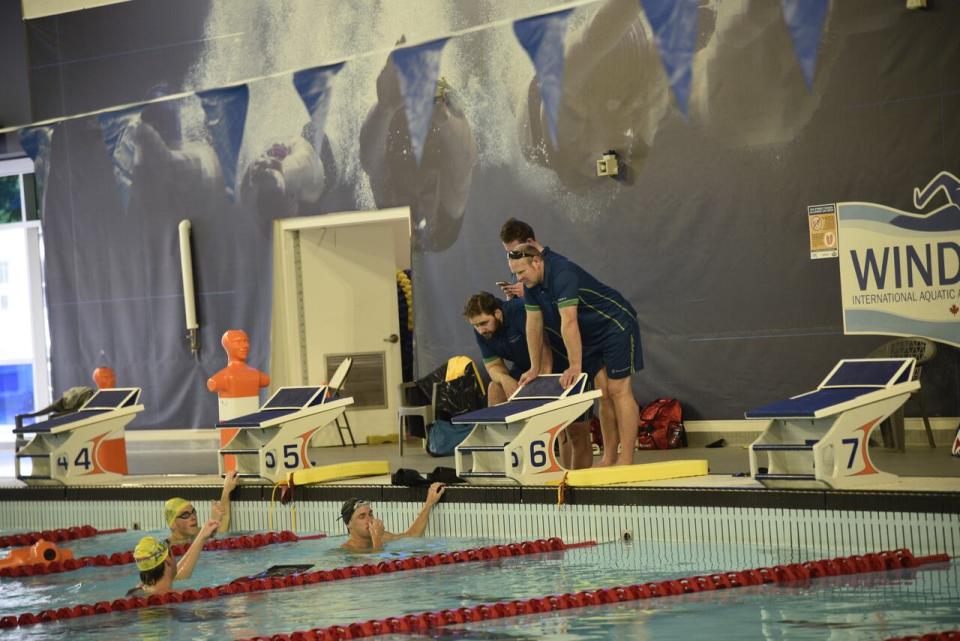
24	372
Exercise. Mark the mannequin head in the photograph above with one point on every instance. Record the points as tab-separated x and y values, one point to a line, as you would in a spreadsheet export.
104	378
236	343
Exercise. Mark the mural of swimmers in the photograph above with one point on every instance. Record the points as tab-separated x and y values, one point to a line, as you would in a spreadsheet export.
558	318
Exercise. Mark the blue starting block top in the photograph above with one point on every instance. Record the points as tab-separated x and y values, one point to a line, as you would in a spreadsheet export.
499	413
849	380
548	386
540	391
806	405
285	401
877	373
103	401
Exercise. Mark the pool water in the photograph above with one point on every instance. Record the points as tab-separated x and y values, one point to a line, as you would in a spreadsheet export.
868	606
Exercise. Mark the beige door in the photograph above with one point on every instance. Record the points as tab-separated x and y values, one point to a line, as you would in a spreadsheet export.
337	297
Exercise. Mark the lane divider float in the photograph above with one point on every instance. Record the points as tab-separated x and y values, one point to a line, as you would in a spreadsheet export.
54	536
241	586
790	573
247	542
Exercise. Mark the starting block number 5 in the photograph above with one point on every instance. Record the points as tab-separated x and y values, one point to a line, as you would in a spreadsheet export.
291	458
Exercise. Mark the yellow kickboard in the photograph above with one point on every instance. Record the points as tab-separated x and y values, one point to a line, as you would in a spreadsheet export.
339	471
636	473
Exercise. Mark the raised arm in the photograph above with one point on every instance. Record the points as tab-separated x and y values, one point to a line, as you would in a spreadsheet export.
419	524
229	483
187	562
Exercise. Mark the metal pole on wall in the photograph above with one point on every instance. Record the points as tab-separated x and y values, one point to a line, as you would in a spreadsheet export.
189	297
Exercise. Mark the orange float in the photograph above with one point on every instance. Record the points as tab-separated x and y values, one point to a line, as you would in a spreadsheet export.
40	552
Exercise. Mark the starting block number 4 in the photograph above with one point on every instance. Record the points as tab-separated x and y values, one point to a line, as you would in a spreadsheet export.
82	460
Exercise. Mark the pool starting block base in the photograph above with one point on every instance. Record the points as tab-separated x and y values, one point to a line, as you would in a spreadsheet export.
516	440
273	442
822	438
86	447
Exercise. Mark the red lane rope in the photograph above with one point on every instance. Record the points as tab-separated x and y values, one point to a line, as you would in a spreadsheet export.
950	635
793	572
275	583
54	536
125	558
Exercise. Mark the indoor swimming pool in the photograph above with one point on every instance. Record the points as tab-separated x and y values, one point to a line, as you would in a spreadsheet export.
875	605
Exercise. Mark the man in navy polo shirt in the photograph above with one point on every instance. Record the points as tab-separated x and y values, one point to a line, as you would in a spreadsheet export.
576	444
599	330
501	336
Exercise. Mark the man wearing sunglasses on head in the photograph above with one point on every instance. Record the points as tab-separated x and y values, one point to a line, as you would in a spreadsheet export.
366	532
514	233
576	447
181	515
601	334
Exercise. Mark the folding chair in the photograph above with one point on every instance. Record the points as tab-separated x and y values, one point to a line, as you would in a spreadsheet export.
334	387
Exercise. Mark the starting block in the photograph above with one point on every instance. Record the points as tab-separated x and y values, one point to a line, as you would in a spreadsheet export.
517	439
86	447
822	438
272	442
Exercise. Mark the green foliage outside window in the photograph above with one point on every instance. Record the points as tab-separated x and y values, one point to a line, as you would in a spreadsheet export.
10	199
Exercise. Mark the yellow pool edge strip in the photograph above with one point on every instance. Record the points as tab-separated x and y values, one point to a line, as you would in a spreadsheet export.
637	473
339	471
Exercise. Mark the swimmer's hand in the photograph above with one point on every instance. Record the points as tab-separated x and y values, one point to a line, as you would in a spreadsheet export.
434	493
376	533
216	511
230	481
209	529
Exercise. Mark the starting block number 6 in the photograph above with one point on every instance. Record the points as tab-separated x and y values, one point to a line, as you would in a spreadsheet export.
538	455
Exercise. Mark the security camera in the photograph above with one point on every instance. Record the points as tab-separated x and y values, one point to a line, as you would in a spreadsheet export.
609	164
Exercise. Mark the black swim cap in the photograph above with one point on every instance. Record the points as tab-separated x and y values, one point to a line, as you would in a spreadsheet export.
349	507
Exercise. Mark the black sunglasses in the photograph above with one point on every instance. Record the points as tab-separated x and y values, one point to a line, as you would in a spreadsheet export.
521	253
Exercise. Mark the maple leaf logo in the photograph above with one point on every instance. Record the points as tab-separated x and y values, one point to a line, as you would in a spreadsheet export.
954	309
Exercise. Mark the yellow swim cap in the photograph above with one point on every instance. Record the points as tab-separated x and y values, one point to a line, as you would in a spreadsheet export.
150	553
172	508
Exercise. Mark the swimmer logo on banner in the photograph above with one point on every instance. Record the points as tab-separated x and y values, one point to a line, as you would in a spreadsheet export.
899	270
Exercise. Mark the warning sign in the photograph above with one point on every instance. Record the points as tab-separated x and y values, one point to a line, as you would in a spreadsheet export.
822	224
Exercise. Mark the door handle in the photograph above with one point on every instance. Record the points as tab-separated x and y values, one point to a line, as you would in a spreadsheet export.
392	338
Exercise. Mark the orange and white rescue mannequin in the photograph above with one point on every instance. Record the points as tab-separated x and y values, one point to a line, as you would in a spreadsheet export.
237	385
